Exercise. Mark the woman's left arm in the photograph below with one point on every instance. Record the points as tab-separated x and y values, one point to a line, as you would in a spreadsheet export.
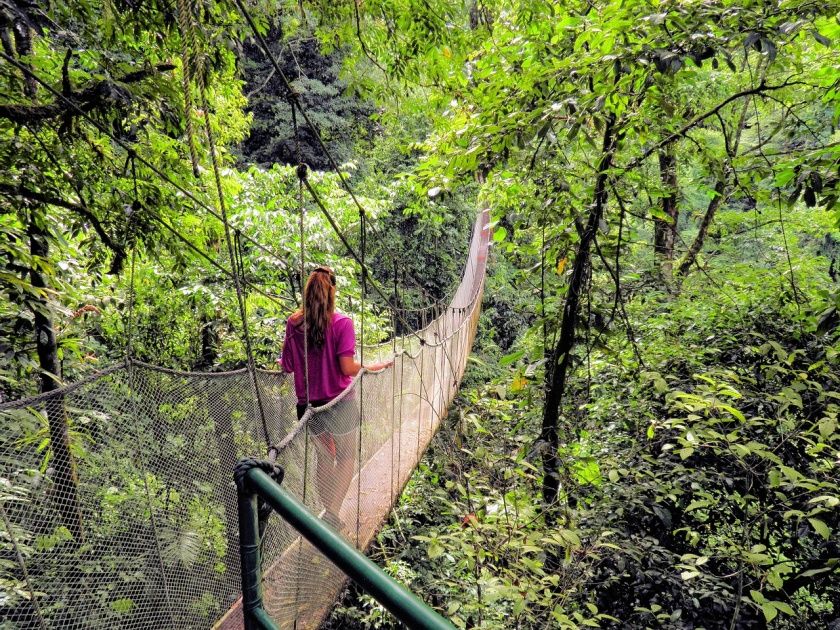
350	367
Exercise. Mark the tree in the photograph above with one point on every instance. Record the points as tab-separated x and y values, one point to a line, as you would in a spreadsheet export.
342	118
90	105
665	229
551	77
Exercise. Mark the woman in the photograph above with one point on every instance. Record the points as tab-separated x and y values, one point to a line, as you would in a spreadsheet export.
330	347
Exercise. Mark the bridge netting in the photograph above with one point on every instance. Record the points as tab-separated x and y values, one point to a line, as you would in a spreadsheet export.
147	535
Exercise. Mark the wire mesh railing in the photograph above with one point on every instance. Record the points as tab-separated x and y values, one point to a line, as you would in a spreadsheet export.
144	534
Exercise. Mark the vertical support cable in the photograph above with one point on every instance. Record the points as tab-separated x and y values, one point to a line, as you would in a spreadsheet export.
455	349
444	363
395	437
447	333
252	367
22	563
301	172
422	388
393	397
129	352
402	389
434	411
363	248
187	35
301	175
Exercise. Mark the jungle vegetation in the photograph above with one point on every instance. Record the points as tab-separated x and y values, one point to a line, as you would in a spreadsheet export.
647	436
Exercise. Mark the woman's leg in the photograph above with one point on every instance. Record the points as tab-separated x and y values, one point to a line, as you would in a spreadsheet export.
335	472
325	453
337	454
345	468
325	469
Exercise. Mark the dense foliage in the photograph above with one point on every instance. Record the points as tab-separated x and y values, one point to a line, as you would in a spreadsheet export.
647	436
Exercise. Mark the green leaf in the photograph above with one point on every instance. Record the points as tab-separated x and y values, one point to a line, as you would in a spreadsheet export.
508	359
769	611
820	527
813	572
568	538
123	605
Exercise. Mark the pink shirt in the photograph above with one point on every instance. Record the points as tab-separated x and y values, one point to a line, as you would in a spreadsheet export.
325	378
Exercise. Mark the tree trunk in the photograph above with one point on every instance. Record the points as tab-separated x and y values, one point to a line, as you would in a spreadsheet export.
697	245
561	356
720	185
65	478
665	230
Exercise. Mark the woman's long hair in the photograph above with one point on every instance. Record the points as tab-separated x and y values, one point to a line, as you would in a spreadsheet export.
319	300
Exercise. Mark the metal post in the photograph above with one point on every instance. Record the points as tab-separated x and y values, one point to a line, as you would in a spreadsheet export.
404	605
254	614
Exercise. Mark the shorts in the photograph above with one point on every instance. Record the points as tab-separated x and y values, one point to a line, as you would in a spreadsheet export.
340	419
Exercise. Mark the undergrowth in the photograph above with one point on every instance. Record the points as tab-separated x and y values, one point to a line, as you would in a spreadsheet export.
700	486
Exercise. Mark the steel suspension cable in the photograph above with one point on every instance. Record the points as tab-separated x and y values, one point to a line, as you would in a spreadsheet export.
277	300
294	98
301	173
187	193
243	312
129	354
363	249
300	170
366	276
22	564
166	178
187	44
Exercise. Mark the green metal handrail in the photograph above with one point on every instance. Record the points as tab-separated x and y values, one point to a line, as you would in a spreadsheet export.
252	482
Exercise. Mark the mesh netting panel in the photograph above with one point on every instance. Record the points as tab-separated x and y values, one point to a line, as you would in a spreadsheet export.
137	527
145	536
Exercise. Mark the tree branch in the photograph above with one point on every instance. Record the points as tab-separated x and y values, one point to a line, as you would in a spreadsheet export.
82	210
760	89
92	97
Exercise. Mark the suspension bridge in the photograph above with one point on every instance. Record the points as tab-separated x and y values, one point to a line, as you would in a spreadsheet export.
117	498
155	450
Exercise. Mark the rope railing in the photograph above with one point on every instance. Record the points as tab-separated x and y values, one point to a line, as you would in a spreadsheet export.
141	412
154	479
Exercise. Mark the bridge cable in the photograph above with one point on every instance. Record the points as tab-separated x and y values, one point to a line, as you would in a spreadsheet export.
192	197
252	367
363	249
187	193
166	178
293	96
300	170
129	353
132	152
359	259
136	205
